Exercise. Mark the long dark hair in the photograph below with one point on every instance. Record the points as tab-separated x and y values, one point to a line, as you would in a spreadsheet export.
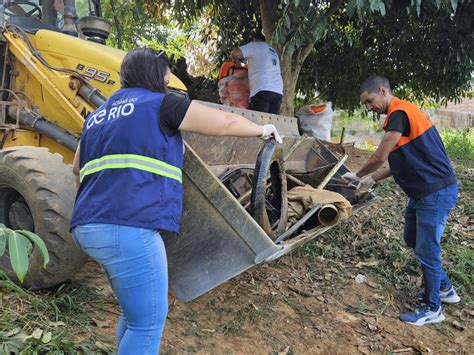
144	68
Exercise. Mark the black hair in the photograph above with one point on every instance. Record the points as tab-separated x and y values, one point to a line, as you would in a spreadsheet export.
373	84
259	36
144	68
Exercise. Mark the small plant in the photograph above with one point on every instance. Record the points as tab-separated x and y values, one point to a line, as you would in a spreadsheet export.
20	245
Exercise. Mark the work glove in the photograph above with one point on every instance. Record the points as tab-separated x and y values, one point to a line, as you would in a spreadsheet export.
351	178
365	185
269	131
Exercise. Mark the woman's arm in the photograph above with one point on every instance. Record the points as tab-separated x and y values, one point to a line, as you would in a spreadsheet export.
212	122
75	165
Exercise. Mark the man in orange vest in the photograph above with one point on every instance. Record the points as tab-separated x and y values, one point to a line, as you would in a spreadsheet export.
420	166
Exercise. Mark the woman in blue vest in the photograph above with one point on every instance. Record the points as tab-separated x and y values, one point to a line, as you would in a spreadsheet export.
129	165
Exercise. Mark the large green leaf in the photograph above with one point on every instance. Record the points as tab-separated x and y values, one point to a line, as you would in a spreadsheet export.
39	243
18	250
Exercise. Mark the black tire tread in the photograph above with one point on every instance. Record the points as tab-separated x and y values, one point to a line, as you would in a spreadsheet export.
270	153
52	184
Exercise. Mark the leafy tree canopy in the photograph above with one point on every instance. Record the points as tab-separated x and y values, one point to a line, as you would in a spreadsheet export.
424	47
427	53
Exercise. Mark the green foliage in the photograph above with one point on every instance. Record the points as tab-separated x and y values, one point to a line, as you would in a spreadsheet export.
140	28
304	22
137	24
459	144
423	54
20	246
229	23
51	321
425	48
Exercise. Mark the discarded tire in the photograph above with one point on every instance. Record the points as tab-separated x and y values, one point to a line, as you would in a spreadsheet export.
37	192
269	201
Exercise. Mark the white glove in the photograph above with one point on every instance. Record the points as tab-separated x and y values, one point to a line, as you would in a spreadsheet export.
351	177
269	131
365	185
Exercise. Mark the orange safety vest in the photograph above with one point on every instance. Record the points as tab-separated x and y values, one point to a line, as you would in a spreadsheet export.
419	163
419	123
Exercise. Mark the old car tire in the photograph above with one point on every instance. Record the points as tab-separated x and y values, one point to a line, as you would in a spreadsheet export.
37	192
268	209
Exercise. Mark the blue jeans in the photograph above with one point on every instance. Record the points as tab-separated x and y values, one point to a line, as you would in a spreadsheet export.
135	262
425	219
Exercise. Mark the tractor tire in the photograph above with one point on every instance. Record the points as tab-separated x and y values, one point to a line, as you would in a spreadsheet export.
37	192
269	207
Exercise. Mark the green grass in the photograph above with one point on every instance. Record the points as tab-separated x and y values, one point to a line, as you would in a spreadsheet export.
459	144
55	321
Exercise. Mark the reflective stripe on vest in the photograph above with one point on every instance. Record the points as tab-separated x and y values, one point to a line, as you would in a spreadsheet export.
123	161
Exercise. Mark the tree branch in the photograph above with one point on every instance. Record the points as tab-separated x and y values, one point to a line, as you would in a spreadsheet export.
304	51
117	24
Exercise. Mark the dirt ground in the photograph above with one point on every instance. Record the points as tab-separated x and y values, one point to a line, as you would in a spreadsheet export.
291	307
306	305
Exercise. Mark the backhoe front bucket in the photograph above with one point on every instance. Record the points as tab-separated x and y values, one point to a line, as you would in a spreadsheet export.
219	238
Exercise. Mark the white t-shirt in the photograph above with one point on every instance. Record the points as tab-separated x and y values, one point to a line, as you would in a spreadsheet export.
264	68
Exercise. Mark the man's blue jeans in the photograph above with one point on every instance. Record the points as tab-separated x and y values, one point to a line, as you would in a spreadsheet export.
135	262
425	219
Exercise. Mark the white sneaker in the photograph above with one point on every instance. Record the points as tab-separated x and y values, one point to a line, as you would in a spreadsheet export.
449	296
422	316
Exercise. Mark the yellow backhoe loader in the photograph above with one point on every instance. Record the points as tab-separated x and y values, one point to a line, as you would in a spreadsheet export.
55	69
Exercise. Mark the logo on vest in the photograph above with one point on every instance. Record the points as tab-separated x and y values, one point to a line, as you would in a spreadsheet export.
120	108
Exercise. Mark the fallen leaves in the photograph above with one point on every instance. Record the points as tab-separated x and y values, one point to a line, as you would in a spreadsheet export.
102	323
56	324
372	326
404	350
370	263
300	292
458	325
285	351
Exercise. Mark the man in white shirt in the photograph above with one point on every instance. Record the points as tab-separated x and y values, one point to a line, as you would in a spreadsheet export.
266	83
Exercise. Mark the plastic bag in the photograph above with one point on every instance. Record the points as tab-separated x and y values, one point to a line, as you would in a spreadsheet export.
234	90
316	120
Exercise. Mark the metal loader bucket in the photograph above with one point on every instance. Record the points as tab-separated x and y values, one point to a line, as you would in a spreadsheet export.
219	238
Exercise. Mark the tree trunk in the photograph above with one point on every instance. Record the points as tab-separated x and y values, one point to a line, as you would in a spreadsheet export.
290	71
289	85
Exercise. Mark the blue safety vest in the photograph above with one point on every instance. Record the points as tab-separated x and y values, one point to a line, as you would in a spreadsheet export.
130	170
